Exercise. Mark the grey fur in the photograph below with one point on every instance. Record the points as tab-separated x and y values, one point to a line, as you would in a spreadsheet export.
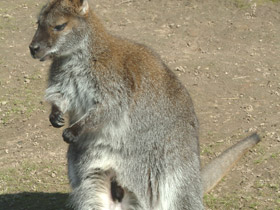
131	120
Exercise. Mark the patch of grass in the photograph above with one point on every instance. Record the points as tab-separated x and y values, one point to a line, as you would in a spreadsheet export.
241	4
259	184
29	185
264	158
275	155
33	177
210	133
226	202
207	151
259	161
210	200
273	186
253	205
276	1
20	105
230	201
245	4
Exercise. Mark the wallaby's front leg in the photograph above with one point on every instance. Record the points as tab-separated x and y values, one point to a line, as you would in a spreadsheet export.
59	106
56	117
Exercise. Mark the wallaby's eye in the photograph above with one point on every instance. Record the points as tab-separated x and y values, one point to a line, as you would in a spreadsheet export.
60	27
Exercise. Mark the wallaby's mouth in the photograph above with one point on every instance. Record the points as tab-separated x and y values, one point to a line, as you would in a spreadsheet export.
37	53
45	57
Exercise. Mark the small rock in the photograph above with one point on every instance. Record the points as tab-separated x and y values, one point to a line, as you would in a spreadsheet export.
7	16
180	68
249	108
171	25
53	175
27	81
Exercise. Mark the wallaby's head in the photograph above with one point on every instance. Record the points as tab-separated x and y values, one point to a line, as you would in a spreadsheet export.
61	28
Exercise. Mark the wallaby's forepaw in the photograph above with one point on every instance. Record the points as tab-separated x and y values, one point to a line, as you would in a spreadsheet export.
56	119
69	136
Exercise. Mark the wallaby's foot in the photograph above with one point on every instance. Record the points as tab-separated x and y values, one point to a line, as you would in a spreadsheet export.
56	119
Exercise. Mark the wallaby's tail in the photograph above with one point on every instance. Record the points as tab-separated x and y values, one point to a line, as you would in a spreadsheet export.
217	168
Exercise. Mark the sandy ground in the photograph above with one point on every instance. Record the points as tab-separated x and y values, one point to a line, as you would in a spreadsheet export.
226	52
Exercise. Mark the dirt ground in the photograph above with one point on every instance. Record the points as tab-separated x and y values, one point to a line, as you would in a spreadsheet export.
226	52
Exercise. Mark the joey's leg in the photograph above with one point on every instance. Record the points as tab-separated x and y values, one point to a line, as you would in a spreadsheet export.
70	135
88	121
93	119
56	117
94	192
117	191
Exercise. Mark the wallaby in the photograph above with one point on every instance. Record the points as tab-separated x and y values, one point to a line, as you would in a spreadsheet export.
133	134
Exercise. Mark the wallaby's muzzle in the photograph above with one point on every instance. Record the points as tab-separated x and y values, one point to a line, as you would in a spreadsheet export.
38	47
34	48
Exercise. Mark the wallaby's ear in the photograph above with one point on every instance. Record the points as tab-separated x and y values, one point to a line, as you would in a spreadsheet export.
84	7
81	6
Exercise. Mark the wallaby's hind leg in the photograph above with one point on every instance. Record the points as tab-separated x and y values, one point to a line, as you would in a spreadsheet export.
181	189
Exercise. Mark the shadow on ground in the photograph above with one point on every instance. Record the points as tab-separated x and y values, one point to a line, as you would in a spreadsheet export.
34	201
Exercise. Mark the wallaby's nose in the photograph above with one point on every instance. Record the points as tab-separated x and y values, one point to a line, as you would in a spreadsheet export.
34	48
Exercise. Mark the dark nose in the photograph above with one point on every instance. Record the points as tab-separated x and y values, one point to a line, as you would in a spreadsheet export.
34	48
